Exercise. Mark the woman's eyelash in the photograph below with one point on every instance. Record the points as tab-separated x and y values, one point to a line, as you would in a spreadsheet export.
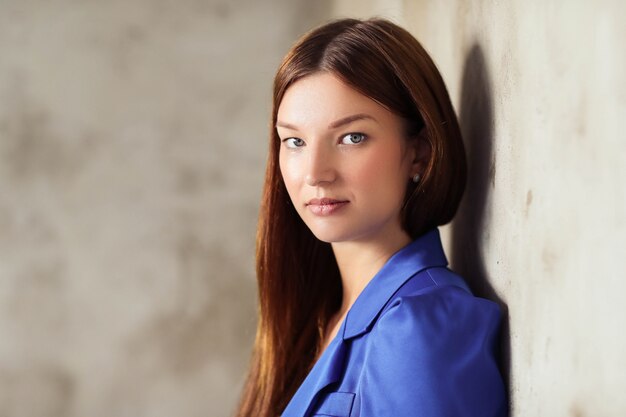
353	138
292	142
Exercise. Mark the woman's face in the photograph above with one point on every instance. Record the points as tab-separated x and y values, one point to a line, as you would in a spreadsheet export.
345	160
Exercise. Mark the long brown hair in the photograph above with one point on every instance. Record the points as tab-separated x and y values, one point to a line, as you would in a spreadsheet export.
298	278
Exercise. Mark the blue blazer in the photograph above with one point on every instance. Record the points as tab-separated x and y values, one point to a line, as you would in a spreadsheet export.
416	342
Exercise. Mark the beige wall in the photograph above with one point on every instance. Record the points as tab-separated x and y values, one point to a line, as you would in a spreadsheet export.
132	144
540	89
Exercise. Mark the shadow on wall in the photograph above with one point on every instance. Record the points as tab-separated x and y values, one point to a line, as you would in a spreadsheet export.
476	120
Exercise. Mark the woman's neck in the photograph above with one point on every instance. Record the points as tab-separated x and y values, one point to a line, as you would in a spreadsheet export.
359	261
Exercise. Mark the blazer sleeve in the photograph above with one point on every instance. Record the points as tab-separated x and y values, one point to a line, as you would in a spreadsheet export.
432	355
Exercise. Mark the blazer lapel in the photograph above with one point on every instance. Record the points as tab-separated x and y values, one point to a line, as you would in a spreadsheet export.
327	369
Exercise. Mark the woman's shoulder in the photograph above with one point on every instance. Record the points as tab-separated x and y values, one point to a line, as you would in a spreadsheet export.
436	304
439	288
436	345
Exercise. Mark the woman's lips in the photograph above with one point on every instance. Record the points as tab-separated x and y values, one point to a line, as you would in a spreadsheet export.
325	206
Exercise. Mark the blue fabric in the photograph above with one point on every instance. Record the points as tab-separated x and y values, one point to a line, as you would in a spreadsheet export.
416	342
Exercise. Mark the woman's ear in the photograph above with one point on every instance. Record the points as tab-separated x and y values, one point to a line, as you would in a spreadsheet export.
421	151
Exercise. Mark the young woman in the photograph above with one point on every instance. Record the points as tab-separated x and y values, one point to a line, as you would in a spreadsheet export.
359	315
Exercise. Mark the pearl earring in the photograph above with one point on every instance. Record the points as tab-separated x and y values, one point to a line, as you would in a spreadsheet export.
416	178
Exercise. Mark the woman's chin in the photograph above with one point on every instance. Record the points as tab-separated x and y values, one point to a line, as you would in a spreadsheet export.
334	234
329	236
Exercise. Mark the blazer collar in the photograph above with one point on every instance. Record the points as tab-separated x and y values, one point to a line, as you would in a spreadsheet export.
424	252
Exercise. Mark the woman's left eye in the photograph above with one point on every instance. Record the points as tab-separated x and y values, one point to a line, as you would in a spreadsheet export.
353	138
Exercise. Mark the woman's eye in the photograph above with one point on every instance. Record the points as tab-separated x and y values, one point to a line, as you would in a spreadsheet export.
293	142
353	138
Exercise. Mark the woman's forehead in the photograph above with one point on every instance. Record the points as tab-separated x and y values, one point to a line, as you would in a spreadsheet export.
323	98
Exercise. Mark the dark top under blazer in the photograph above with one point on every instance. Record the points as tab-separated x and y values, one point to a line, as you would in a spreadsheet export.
416	342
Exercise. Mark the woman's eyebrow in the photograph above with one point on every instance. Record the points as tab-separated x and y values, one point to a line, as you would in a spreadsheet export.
349	119
286	125
334	125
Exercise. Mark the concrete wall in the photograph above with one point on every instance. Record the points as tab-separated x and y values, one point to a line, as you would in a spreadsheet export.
133	137
540	89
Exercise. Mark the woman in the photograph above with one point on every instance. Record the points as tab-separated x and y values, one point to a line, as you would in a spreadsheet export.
359	315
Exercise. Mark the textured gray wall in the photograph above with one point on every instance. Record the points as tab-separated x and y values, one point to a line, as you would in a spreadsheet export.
132	144
540	88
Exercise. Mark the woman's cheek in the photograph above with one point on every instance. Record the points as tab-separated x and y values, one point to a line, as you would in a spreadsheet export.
291	173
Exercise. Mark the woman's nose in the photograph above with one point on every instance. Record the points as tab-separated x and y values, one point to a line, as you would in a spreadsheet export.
320	167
